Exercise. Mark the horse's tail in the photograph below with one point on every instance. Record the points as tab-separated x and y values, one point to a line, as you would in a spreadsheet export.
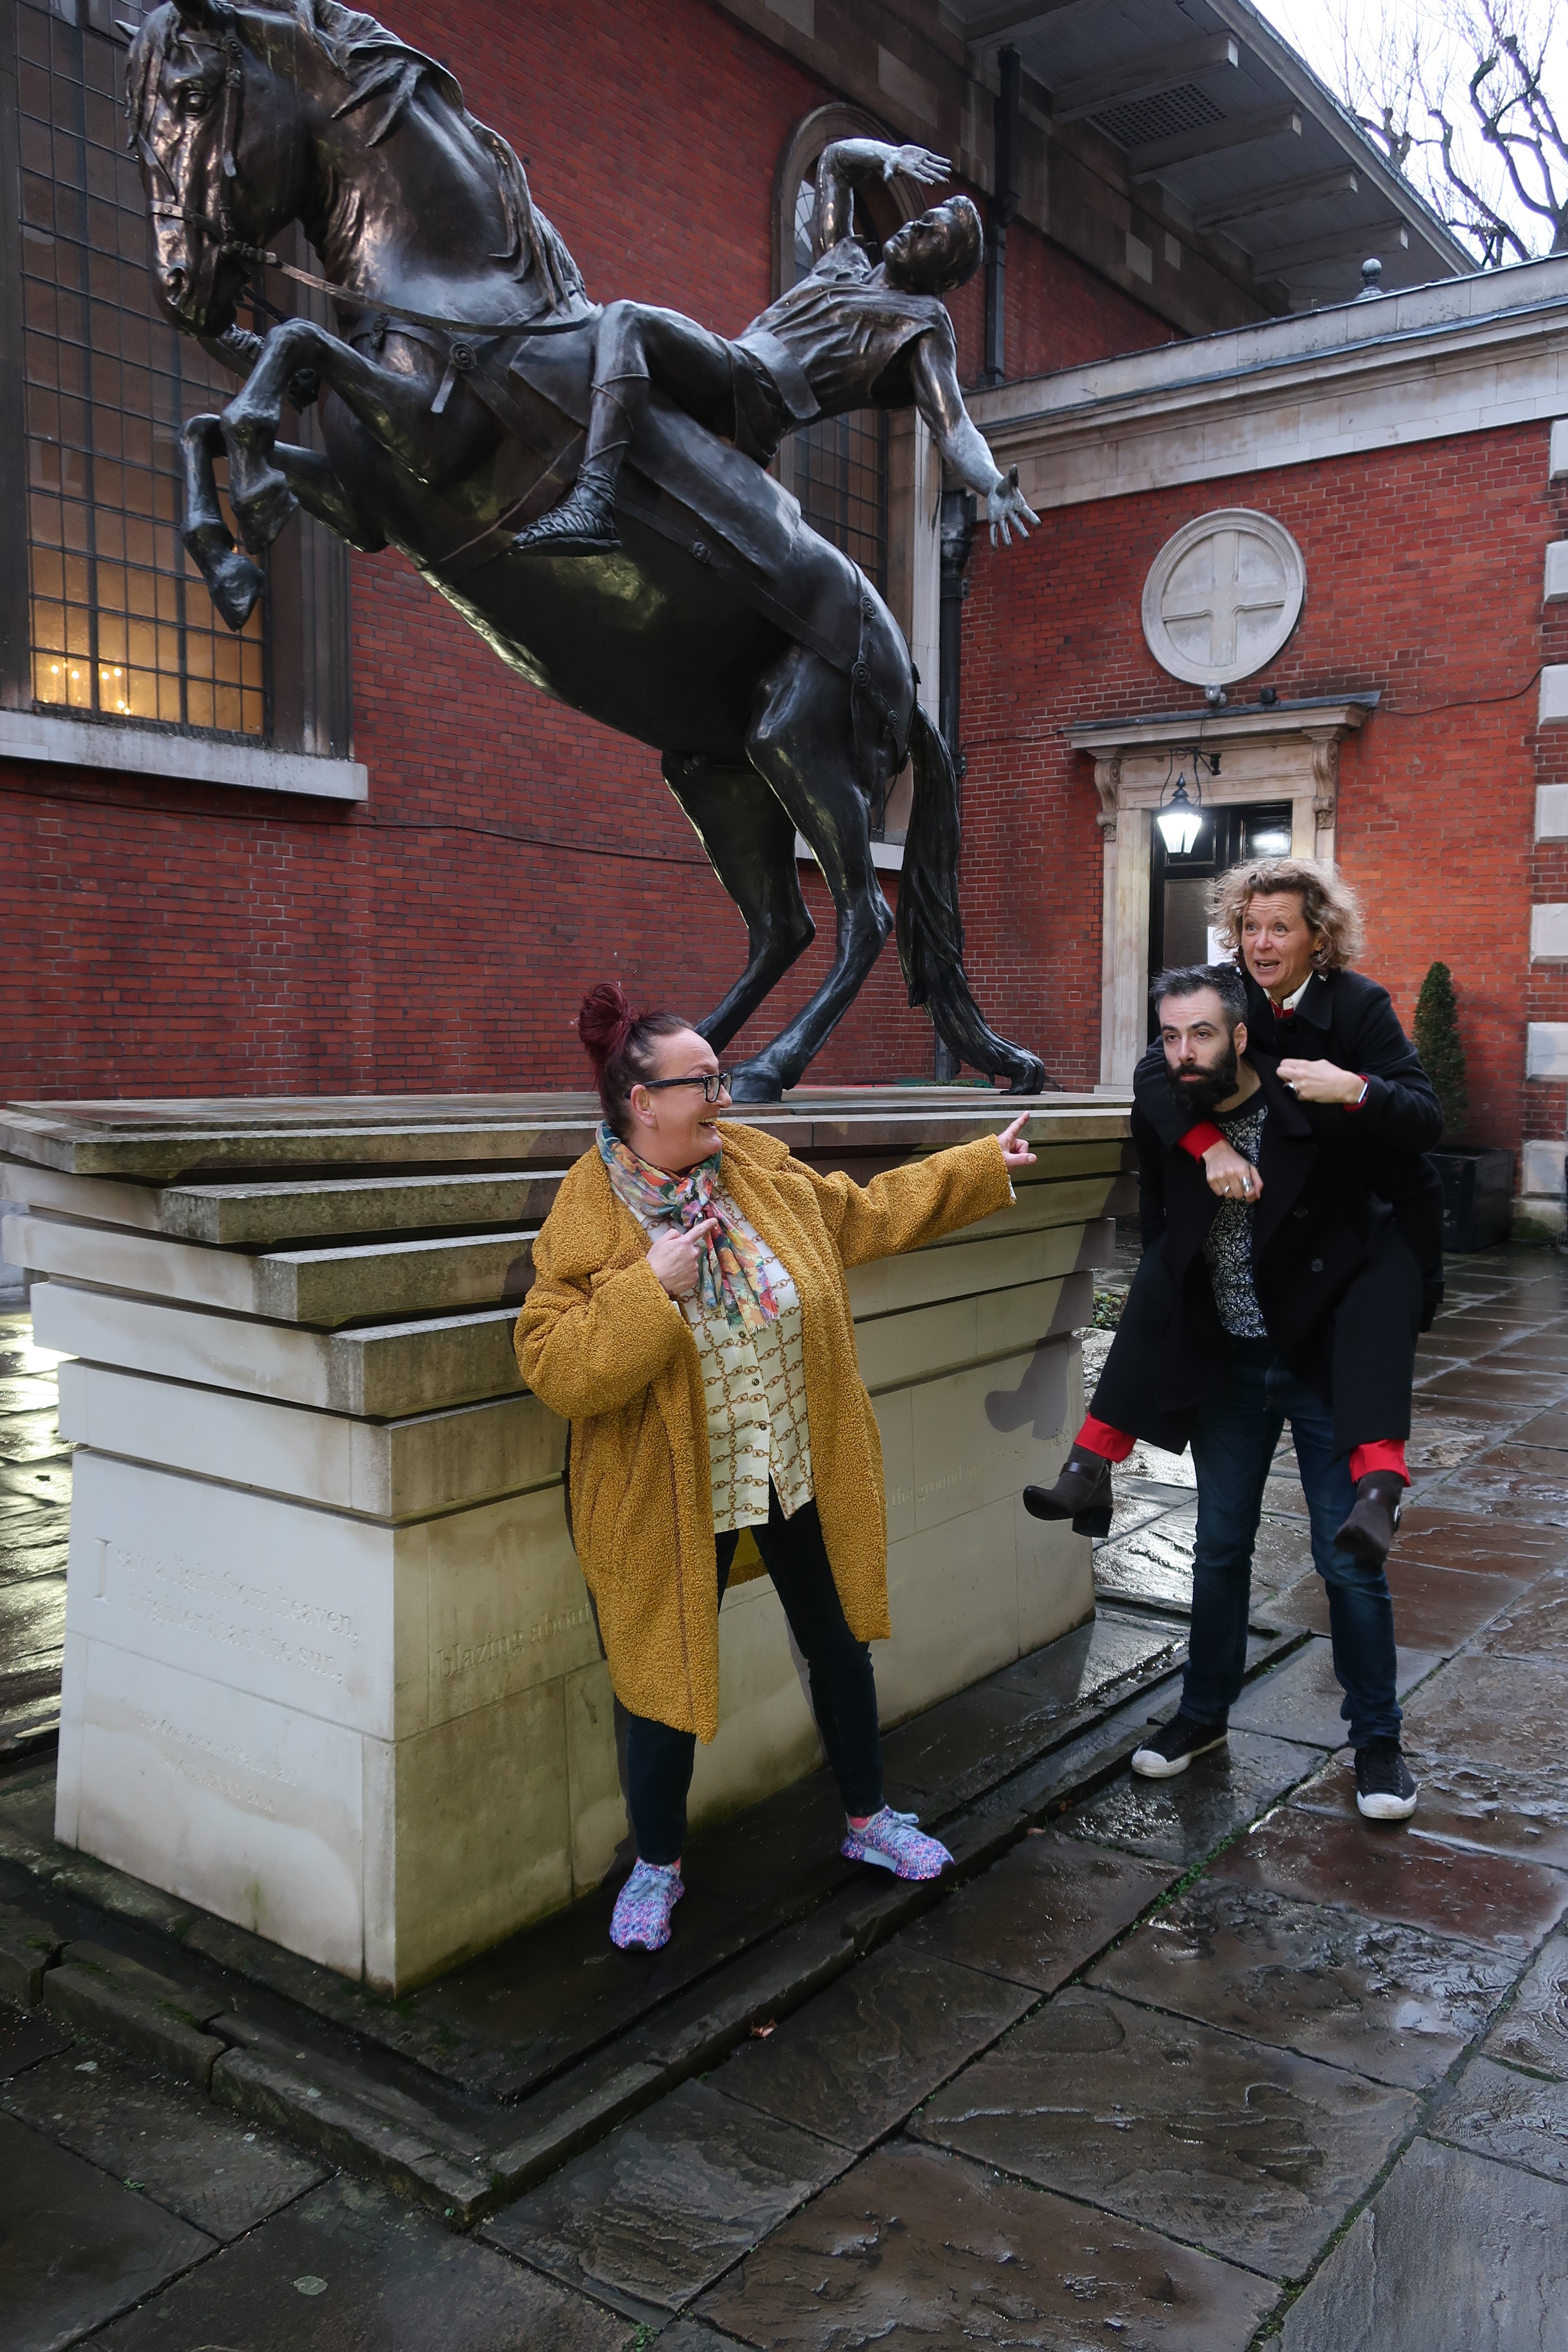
930	927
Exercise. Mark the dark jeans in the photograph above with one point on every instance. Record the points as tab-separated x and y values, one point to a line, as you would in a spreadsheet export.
1233	1446
843	1690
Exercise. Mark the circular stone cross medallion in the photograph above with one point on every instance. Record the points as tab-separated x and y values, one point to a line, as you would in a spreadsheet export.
1222	596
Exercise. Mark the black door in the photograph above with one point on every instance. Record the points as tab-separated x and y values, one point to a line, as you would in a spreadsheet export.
1179	887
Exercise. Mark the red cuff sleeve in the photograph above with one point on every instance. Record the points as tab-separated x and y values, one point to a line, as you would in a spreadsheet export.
1366	1082
1198	1139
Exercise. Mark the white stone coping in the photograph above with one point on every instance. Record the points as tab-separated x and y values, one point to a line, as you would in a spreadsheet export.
1557	584
1546	1049
1553	704
35	736
1548	934
1462	355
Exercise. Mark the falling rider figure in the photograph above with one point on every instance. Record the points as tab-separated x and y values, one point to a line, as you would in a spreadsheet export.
850	335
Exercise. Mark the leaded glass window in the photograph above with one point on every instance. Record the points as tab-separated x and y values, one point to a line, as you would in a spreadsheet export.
122	624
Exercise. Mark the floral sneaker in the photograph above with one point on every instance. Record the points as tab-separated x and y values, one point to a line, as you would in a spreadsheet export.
643	1905
893	1842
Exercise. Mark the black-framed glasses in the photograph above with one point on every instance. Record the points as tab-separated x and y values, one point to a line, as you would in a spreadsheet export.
713	1084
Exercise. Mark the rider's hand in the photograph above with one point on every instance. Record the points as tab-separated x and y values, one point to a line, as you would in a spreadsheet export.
673	1257
1231	1176
1015	1151
1007	504
1321	1082
916	164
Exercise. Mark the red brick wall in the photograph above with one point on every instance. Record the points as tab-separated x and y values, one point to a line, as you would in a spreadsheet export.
165	938
1546	1105
1424	569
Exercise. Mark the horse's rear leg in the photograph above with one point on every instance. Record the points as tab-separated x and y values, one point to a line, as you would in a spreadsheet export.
750	843
801	741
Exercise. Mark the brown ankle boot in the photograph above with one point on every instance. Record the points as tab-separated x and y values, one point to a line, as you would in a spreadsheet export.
1369	1531
1082	1494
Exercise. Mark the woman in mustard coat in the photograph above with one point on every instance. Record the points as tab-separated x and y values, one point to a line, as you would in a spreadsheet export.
689	1317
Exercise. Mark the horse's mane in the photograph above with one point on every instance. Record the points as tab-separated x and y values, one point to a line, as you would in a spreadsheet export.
382	71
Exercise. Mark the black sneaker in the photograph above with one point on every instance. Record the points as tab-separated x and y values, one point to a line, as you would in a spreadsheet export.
1385	1791
1174	1746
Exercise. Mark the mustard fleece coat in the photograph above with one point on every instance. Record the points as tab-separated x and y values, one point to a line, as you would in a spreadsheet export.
606	1347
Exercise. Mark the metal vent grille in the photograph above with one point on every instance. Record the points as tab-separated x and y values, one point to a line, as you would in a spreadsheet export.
1166	116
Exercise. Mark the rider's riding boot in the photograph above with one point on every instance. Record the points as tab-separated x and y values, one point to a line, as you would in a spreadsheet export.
584	522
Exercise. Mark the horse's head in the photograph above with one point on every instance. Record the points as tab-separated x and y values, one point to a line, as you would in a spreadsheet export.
218	124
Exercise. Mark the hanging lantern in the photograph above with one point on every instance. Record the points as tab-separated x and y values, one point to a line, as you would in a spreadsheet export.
1179	821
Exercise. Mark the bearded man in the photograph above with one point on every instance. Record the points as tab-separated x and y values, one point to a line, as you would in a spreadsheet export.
853	333
1231	1329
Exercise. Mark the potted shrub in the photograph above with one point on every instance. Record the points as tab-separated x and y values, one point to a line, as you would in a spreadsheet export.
1478	1181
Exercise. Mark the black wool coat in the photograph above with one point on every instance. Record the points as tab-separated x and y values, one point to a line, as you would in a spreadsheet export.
1347	1019
1338	1286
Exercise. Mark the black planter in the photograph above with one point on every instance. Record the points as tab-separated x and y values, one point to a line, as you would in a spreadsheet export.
1477	1197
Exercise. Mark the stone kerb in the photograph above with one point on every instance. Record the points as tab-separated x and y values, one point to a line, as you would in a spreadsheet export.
330	1667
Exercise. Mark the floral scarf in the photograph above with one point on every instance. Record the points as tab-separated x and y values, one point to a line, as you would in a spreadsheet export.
730	1275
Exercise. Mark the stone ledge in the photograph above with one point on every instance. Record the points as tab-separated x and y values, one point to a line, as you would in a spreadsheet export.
33	737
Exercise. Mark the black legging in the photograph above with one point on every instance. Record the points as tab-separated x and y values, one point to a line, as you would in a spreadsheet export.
843	1690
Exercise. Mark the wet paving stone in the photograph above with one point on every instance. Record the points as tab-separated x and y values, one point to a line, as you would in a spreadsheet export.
348	2269
918	2251
1486	1392
1153	1565
1549	1428
166	2140
854	2062
1454	2251
1513	1482
26	2038
1390	2001
37	1484
657	2211
967	1743
1037	1915
1182	1821
19	1393
31	1437
1498	1811
39	1550
75	2247
1504	1711
1535	1626
1252	2153
1301	1700
1435	1609
1380	1868
1444	1538
1534	2030
1493	2111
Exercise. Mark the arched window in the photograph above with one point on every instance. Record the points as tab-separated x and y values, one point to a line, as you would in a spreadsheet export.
837	468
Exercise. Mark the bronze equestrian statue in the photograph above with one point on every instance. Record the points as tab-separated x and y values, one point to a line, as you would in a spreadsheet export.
453	408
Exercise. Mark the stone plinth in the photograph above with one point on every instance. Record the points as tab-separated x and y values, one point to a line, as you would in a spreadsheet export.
330	1667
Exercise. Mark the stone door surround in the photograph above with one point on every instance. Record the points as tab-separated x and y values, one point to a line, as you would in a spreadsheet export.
1289	752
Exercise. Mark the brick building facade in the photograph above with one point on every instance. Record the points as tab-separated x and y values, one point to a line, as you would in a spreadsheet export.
183	917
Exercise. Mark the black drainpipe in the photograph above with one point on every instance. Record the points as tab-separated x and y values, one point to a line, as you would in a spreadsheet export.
957	523
1002	212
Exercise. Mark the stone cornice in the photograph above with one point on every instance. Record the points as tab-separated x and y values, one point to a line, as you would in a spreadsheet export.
1320	714
1462	356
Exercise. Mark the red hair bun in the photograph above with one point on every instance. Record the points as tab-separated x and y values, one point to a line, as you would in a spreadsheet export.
606	1022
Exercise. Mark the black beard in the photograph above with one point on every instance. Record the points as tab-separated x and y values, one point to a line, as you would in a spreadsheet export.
1207	1091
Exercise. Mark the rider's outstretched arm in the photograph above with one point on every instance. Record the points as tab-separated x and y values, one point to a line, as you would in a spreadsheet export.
846	165
933	369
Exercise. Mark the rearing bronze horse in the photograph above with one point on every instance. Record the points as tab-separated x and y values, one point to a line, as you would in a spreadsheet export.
750	653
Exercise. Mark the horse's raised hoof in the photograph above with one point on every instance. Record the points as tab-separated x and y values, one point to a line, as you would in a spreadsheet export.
234	583
756	1083
262	512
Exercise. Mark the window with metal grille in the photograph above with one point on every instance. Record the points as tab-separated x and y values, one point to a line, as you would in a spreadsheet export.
839	466
121	622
